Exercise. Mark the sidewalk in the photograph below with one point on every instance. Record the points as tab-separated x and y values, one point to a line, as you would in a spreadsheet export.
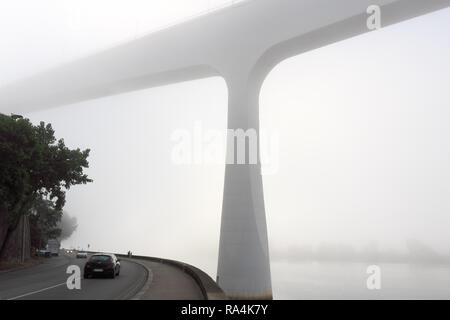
166	282
10	267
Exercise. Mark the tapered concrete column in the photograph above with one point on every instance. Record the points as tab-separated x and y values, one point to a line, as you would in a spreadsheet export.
243	268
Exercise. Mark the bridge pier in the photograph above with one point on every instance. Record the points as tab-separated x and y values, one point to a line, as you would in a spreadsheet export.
243	267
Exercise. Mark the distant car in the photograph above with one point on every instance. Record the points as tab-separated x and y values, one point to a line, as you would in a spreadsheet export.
102	264
82	255
69	251
43	253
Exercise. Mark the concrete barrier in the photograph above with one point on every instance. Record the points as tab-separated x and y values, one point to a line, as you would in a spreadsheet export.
209	288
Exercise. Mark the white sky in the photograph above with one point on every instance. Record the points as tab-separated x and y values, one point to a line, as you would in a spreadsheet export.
363	124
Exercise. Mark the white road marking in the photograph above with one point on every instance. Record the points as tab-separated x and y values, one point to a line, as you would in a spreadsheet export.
34	292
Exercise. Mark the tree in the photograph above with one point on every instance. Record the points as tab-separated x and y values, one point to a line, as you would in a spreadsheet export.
44	221
35	167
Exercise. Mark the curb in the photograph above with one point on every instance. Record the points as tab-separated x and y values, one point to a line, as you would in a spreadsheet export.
145	287
21	267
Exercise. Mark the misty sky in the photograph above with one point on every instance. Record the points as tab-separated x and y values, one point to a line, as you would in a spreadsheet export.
364	147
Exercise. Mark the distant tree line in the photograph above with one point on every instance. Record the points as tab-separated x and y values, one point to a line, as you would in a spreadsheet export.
36	170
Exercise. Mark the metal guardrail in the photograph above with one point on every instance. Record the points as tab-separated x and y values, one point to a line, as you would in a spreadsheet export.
230	4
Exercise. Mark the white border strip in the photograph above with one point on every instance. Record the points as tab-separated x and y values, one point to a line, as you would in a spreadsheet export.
34	292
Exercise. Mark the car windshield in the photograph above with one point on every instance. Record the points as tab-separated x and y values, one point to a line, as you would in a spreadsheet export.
100	258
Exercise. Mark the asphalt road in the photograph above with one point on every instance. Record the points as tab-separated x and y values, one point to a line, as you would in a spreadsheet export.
47	281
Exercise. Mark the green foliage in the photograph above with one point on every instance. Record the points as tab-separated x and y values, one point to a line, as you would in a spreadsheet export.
44	221
35	166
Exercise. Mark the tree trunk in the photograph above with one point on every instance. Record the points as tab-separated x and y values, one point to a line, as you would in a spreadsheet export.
3	226
15	242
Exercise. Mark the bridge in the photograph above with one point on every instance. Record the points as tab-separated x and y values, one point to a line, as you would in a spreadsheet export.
241	43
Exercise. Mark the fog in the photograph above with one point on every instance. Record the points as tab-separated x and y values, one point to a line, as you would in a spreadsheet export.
68	226
364	140
364	147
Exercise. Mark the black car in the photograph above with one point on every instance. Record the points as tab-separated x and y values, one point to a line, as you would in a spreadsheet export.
102	264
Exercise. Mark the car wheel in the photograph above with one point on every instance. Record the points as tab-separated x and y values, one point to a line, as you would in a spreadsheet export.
118	272
113	275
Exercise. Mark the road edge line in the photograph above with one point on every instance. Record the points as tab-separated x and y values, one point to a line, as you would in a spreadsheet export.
37	291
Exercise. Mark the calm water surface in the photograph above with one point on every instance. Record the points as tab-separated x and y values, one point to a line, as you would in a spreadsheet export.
347	280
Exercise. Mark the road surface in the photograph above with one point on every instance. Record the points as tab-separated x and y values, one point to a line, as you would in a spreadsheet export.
47	281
